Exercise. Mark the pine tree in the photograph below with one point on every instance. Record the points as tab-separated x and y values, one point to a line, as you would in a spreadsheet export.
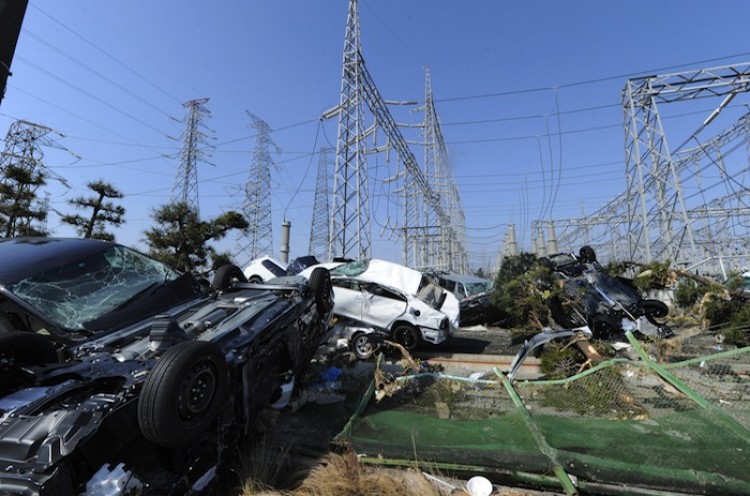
18	203
180	239
102	212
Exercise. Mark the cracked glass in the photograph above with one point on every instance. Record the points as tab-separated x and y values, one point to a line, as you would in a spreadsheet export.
89	288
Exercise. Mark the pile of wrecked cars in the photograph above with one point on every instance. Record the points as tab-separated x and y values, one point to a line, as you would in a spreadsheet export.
595	304
376	300
119	375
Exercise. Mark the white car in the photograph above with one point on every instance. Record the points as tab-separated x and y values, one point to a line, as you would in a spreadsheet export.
264	268
376	295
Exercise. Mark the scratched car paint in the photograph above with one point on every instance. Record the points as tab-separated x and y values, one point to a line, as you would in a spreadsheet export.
119	375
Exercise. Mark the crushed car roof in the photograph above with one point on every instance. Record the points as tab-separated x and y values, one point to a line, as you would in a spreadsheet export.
382	272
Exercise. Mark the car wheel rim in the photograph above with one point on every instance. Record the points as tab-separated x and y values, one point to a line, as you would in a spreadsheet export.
197	392
363	346
406	338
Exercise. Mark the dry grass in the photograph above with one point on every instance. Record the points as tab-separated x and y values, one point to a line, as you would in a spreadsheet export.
264	467
344	475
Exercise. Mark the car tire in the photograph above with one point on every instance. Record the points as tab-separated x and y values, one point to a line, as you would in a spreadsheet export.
653	308
226	275
183	394
407	336
587	254
256	280
362	346
27	348
320	282
61	483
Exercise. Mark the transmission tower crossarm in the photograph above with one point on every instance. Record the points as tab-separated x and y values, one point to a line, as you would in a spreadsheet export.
386	121
688	85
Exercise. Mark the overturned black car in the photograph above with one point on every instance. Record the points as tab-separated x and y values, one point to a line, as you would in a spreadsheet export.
119	375
607	305
593	304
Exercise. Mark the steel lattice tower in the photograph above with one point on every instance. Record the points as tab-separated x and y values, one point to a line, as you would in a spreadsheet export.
185	189
23	150
434	250
320	228
659	218
350	221
350	227
667	212
445	234
257	204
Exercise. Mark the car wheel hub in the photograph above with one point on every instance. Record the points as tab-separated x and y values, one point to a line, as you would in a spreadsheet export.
197	392
363	345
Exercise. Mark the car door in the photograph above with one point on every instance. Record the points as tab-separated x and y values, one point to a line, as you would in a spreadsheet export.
381	305
347	298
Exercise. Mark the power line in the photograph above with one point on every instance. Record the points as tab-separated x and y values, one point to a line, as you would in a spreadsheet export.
588	81
94	71
90	95
100	50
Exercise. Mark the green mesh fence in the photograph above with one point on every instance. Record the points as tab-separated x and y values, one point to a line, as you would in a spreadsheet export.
678	425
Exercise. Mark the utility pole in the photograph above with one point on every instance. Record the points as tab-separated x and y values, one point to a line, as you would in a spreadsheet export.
185	189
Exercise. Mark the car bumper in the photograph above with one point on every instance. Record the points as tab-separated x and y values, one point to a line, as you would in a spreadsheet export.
434	336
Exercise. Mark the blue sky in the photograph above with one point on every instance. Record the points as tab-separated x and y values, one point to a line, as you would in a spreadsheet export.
528	93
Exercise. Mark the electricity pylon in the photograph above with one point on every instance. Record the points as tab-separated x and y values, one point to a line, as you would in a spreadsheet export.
659	216
23	172
185	189
320	226
447	240
257	204
350	227
350	234
671	209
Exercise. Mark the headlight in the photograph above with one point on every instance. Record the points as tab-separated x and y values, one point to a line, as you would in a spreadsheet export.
444	324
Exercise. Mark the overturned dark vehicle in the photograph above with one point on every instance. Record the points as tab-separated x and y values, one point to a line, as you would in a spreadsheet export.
593	304
608	305
119	375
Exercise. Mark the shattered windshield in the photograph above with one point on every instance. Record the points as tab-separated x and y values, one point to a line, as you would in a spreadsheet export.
473	288
351	269
89	288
